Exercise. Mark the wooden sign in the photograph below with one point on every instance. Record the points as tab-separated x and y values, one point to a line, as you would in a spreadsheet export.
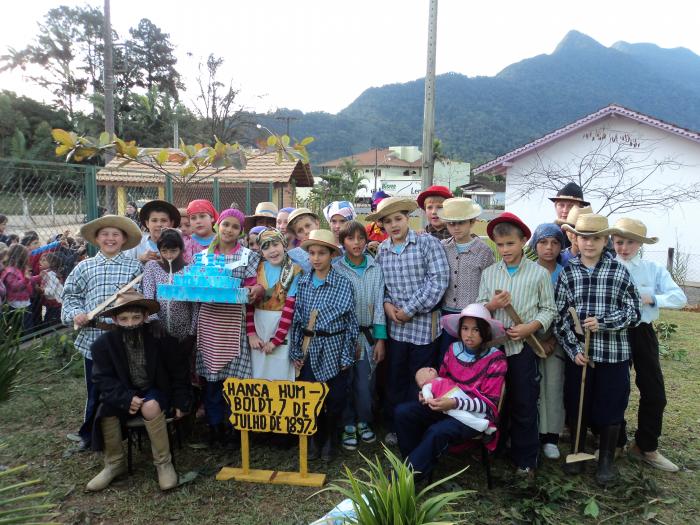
284	407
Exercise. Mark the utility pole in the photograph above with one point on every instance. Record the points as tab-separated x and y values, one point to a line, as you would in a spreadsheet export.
288	119
429	104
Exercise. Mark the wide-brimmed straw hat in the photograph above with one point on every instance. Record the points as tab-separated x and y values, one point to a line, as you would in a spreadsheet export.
459	209
573	215
127	226
131	298
321	238
171	210
633	229
570	192
298	212
264	210
392	205
591	224
450	322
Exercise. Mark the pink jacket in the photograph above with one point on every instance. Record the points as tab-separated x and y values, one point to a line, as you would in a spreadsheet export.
18	286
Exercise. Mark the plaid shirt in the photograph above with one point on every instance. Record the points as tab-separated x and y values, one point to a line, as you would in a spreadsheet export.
465	272
606	293
440	235
416	280
335	303
90	283
531	295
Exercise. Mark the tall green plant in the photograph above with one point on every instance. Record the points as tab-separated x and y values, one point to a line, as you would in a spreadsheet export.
391	499
10	359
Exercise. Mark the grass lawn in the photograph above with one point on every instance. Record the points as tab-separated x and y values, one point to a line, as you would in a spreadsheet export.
35	421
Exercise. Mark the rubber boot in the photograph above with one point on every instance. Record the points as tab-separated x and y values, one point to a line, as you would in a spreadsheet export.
576	468
229	438
607	472
115	462
330	447
160	447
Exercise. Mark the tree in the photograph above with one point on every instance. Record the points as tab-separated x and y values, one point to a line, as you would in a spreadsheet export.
152	55
216	104
68	42
621	172
339	185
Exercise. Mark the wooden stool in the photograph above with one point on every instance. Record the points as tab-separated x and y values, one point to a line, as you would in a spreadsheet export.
136	428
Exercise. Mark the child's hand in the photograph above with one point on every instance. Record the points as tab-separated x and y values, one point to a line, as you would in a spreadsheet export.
519	332
590	323
647	299
442	404
136	404
581	360
149	255
499	300
268	347
255	293
255	342
391	312
179	414
81	319
298	364
402	316
379	351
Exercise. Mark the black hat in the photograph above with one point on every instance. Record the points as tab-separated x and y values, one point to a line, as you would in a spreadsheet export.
171	210
570	192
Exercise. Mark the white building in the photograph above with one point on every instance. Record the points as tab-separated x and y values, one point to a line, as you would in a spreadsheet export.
614	151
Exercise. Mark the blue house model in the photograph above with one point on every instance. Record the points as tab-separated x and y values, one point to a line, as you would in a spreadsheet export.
207	280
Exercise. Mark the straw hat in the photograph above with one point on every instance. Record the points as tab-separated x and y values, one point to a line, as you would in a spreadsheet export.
298	213
321	238
574	214
459	209
126	225
171	210
570	192
450	322
134	299
633	229
392	205
591	224
264	210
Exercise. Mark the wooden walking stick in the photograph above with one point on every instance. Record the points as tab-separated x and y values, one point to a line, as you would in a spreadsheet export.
307	338
531	339
104	304
580	456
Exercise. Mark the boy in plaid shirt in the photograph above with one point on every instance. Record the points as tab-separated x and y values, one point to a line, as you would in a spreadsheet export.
90	283
605	299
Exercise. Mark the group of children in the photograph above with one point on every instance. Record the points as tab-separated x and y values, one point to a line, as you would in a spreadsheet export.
32	275
448	327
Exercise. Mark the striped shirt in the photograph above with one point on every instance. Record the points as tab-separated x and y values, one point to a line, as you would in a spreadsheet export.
605	292
334	300
465	272
531	295
415	279
90	283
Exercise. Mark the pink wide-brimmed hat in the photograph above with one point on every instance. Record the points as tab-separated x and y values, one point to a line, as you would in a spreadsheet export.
450	322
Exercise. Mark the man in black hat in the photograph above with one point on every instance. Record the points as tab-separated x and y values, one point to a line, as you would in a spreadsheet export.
569	196
155	216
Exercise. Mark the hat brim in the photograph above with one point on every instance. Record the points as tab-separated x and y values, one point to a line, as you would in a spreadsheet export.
606	231
420	200
450	324
310	242
251	219
570	199
296	218
148	304
636	237
467	217
173	212
498	220
405	205
131	230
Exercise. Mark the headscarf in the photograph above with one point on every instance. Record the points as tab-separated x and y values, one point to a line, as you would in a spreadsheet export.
269	236
342	208
230	212
545	230
203	206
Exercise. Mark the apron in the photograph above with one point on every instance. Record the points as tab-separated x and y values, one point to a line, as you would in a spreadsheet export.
276	365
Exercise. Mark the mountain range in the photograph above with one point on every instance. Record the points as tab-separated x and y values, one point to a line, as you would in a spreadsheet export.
479	118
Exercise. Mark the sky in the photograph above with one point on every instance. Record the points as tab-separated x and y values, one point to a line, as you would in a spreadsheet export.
319	55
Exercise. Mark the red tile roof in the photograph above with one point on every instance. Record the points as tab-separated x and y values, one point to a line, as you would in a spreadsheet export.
383	158
258	169
613	109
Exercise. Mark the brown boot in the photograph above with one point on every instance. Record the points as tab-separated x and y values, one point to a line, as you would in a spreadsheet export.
160	446
115	463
